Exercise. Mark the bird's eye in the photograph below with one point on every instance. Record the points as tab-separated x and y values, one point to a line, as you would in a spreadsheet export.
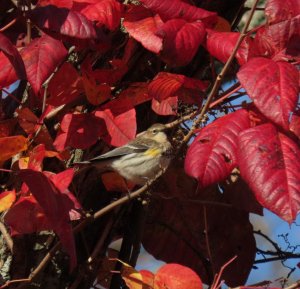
154	131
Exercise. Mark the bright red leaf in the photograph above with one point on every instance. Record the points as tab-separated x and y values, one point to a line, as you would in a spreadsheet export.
213	154
167	106
181	40
104	12
271	85
7	73
142	25
280	41
269	162
277	10
165	85
62	21
221	44
176	276
13	55
41	57
57	3
79	131
121	128
171	9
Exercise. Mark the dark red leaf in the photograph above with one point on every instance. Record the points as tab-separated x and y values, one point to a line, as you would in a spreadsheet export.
277	10
62	21
269	162
79	131
176	276
13	55
41	57
54	204
221	44
213	154
271	85
174	226
7	127
26	216
121	127
104	12
181	40
65	87
171	9
165	85
142	25
109	76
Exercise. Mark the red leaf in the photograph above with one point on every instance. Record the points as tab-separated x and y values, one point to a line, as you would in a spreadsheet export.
271	85
212	155
26	216
11	145
180	40
79	131
167	84
269	162
121	127
51	199
109	76
7	73
62	21
171	9
36	158
142	25
277	10
280	41
65	87
130	97
13	55
105	12
221	44
176	276
95	94
57	3
167	106
7	127
62	181
41	57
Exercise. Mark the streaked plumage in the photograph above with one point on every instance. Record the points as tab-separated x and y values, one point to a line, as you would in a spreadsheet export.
139	160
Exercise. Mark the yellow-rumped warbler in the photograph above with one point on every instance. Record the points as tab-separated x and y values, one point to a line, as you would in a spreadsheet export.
141	159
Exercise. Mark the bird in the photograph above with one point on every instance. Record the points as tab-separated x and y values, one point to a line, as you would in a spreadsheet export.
141	159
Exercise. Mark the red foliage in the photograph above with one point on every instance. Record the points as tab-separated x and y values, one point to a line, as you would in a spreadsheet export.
94	73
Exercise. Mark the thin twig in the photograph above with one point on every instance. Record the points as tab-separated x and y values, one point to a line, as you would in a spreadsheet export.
219	79
207	239
8	25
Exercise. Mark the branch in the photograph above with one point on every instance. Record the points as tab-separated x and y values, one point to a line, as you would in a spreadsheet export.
220	77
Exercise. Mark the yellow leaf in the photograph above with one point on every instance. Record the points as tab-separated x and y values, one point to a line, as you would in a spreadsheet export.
7	199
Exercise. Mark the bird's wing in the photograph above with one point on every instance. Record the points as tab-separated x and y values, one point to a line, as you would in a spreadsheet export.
121	151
